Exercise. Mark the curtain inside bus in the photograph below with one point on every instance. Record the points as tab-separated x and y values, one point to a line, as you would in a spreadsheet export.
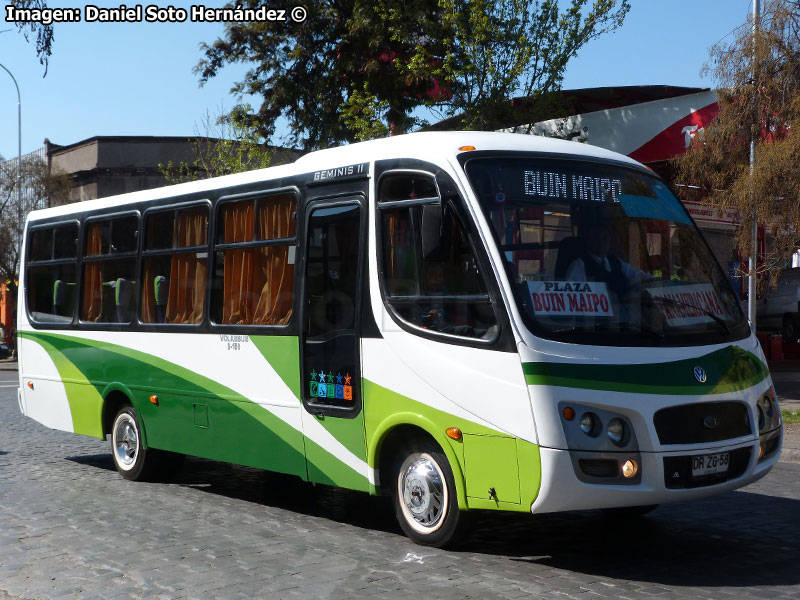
187	281
257	284
92	307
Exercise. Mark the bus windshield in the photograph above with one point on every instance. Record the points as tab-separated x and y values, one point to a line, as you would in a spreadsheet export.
603	254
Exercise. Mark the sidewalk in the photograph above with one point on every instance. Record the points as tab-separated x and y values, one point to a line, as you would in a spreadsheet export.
785	375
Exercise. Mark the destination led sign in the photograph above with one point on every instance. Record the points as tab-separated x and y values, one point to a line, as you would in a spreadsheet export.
563	186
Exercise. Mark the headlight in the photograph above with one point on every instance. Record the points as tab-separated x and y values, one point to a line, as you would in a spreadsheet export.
766	404
769	414
616	431
590	424
762	416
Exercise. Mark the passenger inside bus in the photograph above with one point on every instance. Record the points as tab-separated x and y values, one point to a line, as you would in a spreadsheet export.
595	262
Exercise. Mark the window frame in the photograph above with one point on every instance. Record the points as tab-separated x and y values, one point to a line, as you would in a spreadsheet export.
291	242
144	254
83	259
445	186
359	200
75	261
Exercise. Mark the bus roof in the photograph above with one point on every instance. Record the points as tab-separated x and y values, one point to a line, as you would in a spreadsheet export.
431	146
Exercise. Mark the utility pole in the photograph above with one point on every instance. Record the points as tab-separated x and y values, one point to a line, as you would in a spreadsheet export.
752	262
19	145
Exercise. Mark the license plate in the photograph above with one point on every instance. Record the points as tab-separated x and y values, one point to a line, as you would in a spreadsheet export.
710	464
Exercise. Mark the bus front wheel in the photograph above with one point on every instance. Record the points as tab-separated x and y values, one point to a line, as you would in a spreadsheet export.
425	499
130	456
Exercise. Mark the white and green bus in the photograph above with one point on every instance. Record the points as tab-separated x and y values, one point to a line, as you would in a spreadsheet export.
462	321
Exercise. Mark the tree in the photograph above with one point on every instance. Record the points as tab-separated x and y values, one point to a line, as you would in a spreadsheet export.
40	188
354	69
227	145
759	98
516	47
43	34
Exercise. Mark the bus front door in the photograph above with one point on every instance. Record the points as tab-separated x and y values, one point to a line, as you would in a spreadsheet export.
333	421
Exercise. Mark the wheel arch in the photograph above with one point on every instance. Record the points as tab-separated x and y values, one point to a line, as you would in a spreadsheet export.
115	396
397	434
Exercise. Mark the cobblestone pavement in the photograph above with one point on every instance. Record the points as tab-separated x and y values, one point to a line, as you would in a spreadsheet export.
70	527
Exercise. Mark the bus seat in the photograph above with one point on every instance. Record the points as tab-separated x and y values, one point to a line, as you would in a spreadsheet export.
122	298
161	291
59	295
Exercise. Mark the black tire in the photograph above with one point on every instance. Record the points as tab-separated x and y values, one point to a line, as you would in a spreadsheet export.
424	497
790	330
132	460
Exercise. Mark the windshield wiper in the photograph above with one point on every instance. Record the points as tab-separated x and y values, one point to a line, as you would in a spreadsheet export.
675	303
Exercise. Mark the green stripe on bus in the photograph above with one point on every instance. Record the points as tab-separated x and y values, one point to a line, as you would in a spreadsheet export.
248	434
729	369
85	400
283	355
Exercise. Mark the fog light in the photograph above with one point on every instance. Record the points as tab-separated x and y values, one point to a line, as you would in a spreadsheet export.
630	468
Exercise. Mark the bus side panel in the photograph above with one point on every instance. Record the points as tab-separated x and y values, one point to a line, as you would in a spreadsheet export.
44	394
487	456
195	414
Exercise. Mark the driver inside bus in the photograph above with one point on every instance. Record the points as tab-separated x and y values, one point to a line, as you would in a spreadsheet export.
596	264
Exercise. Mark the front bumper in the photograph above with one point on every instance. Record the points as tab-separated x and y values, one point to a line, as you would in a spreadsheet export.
663	477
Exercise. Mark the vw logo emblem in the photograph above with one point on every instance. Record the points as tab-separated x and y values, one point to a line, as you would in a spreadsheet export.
710	422
700	374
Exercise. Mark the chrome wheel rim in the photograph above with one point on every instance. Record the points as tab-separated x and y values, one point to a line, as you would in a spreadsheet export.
423	493
125	439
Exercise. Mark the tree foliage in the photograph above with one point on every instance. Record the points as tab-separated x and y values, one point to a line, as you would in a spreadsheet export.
39	188
41	34
516	47
355	70
759	98
226	145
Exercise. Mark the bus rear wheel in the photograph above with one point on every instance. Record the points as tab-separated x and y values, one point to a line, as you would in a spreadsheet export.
130	456
424	498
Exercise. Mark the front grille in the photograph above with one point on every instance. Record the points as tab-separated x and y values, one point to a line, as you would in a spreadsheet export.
678	470
700	423
599	467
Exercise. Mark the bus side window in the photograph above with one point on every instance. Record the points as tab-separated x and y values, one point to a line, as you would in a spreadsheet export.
109	268
174	265
430	273
52	273
254	261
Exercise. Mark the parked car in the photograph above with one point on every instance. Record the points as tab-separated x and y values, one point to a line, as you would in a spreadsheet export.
5	349
777	311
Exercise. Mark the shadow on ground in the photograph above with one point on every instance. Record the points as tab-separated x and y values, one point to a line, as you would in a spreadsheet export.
734	540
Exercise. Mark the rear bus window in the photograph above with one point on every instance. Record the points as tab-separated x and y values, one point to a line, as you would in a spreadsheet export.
51	276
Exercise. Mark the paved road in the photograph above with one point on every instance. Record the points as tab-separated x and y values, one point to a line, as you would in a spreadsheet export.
70	527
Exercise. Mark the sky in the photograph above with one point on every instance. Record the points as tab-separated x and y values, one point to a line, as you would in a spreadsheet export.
136	78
